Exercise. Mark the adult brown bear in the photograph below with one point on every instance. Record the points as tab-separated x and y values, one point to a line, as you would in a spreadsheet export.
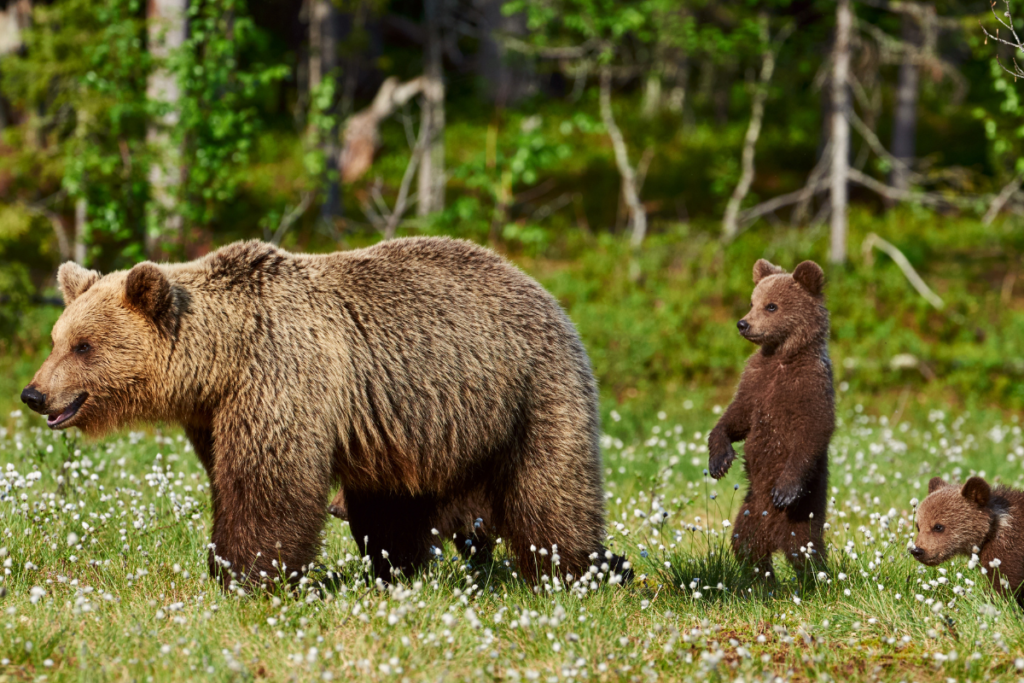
435	381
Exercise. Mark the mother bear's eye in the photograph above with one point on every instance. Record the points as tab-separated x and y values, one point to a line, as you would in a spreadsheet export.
82	347
771	308
938	528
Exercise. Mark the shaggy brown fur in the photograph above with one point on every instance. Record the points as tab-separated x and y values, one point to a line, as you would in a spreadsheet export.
784	409
433	379
974	519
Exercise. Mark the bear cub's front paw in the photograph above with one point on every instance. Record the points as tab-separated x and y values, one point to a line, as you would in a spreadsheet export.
718	463
785	495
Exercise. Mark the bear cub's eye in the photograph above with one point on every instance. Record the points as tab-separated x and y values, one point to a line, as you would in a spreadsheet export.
771	308
82	347
938	528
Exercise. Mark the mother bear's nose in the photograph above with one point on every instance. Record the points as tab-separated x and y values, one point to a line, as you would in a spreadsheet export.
33	399
917	552
742	325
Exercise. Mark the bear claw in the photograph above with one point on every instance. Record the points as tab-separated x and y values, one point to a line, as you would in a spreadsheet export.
782	498
718	465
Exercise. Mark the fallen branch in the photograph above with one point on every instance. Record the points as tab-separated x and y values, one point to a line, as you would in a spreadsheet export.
873	241
1000	201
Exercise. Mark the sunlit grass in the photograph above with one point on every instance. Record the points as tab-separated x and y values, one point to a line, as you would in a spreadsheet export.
103	549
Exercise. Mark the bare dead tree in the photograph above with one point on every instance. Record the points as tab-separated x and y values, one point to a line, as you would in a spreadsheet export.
840	130
637	213
289	218
730	227
362	130
380	216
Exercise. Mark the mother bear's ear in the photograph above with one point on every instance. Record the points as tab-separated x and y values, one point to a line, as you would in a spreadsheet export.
148	291
74	280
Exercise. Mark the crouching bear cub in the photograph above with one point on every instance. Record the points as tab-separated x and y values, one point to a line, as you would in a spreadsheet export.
784	408
439	384
974	520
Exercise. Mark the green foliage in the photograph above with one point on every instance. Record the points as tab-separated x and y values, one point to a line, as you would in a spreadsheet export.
84	73
217	114
495	176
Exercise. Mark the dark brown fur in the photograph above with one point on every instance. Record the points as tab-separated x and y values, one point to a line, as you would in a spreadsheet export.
434	380
956	520
784	409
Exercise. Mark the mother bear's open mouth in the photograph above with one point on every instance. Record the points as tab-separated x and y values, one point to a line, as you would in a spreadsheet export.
55	421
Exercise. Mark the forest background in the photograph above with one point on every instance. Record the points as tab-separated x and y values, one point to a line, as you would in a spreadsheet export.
636	157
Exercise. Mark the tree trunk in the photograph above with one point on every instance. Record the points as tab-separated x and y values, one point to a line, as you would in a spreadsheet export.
904	126
506	78
81	216
167	28
323	64
637	213
431	185
729	224
840	130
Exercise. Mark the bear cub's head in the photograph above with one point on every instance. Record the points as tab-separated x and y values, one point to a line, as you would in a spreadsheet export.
107	348
786	310
953	520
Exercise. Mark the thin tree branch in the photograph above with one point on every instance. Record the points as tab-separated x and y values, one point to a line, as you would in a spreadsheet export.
289	218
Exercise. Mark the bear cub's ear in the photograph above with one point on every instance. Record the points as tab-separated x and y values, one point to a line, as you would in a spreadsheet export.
936	483
74	280
763	269
977	491
810	276
147	290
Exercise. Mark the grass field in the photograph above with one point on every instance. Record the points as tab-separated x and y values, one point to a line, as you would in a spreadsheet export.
104	555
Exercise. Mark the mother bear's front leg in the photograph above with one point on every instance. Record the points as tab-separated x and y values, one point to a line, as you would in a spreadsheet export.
271	496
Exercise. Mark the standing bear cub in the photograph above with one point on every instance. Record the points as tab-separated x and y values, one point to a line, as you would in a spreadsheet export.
442	387
978	520
784	409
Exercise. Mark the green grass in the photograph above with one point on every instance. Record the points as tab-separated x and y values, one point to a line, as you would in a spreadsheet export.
105	575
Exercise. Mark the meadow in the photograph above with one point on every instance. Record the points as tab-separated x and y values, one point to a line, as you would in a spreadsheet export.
104	556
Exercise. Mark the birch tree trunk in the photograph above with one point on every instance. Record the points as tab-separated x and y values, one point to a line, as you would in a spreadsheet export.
904	126
729	223
840	130
431	179
167	28
323	64
81	216
637	213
